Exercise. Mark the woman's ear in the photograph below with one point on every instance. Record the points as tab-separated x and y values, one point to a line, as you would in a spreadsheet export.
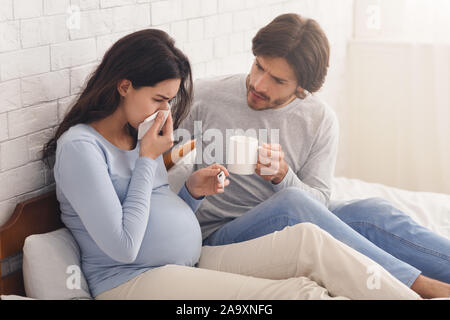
123	87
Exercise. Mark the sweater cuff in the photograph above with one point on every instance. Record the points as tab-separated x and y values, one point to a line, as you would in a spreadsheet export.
189	199
285	182
147	160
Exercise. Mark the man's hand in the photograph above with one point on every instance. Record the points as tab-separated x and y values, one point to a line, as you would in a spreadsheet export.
271	165
204	182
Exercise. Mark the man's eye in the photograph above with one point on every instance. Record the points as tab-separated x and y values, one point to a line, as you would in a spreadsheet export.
158	100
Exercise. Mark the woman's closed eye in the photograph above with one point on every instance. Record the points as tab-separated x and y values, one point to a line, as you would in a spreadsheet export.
163	100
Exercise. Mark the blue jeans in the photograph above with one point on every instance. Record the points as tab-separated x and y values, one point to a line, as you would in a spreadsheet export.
372	226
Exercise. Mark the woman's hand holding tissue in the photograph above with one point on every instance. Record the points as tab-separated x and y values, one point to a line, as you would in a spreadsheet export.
204	182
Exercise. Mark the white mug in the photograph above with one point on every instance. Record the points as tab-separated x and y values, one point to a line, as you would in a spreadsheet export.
242	155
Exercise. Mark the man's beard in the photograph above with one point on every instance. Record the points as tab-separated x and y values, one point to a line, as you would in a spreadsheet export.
270	104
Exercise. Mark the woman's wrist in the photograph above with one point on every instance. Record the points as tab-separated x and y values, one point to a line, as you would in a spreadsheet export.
190	189
148	154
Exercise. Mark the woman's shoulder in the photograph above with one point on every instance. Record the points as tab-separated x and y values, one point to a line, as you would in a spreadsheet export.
79	145
79	134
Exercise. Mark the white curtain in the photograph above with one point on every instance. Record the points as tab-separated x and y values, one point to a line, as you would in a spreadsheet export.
425	20
396	121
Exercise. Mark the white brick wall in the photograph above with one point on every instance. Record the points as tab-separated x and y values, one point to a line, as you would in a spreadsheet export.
44	61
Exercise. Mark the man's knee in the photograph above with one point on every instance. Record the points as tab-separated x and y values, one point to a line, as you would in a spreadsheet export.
294	204
373	205
293	195
298	206
375	202
371	209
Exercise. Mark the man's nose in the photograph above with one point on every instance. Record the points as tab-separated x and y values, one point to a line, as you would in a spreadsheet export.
261	83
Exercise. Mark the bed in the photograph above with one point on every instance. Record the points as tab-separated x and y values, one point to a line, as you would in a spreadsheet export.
40	216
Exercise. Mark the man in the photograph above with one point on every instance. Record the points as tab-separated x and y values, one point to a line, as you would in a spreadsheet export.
293	176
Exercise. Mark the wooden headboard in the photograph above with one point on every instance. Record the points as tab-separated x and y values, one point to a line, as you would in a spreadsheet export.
37	215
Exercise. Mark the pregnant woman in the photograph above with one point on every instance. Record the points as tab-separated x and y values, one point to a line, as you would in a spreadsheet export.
138	239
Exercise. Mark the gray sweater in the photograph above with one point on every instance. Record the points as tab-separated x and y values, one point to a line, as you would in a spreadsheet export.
308	133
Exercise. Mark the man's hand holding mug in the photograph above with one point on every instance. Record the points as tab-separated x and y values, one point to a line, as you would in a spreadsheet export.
271	165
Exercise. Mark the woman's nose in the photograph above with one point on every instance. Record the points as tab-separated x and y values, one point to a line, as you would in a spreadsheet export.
166	106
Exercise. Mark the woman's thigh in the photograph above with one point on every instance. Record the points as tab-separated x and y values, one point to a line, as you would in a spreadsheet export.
305	250
173	282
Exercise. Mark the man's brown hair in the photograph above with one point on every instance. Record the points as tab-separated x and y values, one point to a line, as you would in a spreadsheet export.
302	42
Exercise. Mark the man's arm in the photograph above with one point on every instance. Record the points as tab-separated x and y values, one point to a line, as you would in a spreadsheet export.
315	177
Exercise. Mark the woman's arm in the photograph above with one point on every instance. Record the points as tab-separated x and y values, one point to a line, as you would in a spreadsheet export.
203	183
192	202
82	175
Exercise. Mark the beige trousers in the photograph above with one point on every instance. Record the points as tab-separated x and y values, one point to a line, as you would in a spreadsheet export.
299	262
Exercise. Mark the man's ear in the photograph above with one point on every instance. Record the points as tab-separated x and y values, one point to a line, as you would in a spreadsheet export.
301	93
123	86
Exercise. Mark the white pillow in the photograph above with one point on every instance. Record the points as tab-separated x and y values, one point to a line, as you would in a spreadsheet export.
51	267
14	297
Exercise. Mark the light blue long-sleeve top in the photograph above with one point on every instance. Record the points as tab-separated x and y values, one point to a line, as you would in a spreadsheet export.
120	209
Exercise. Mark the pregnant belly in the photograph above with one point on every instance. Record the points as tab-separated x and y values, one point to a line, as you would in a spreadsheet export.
173	234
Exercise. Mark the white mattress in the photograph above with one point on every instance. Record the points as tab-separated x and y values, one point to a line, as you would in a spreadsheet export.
431	210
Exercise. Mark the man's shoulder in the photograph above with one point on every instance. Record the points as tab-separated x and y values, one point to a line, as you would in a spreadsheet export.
318	109
219	80
204	87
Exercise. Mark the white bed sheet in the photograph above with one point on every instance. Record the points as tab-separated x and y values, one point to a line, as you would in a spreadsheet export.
431	210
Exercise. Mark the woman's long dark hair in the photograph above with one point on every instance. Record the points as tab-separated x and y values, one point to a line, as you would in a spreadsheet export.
146	58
